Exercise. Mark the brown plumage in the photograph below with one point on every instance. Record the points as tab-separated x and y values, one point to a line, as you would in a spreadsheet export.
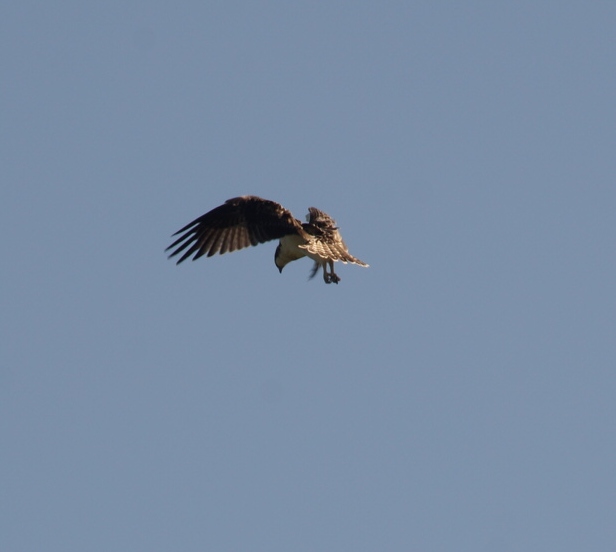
250	220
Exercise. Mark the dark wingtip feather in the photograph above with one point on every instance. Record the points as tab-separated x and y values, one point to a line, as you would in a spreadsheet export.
240	222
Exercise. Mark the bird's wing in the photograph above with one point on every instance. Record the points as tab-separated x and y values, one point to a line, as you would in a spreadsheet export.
331	248
239	222
325	240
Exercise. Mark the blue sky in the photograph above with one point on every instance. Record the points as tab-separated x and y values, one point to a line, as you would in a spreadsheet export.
456	395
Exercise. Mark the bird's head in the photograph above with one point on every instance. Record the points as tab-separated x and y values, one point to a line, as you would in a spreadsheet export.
278	261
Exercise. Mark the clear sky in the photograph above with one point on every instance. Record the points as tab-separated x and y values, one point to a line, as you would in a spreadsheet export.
458	395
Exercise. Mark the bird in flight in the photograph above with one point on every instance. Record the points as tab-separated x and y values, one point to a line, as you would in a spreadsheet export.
250	220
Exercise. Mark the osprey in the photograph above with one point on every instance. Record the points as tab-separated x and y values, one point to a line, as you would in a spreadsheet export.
251	220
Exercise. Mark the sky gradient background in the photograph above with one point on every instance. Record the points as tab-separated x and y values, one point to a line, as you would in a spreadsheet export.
457	395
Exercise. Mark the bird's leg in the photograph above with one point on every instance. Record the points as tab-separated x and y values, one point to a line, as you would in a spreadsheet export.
327	277
333	277
330	276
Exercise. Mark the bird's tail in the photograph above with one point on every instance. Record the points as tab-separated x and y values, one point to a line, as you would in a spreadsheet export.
315	269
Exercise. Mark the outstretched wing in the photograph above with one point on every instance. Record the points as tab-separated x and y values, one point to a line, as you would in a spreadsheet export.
332	248
326	241
239	222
